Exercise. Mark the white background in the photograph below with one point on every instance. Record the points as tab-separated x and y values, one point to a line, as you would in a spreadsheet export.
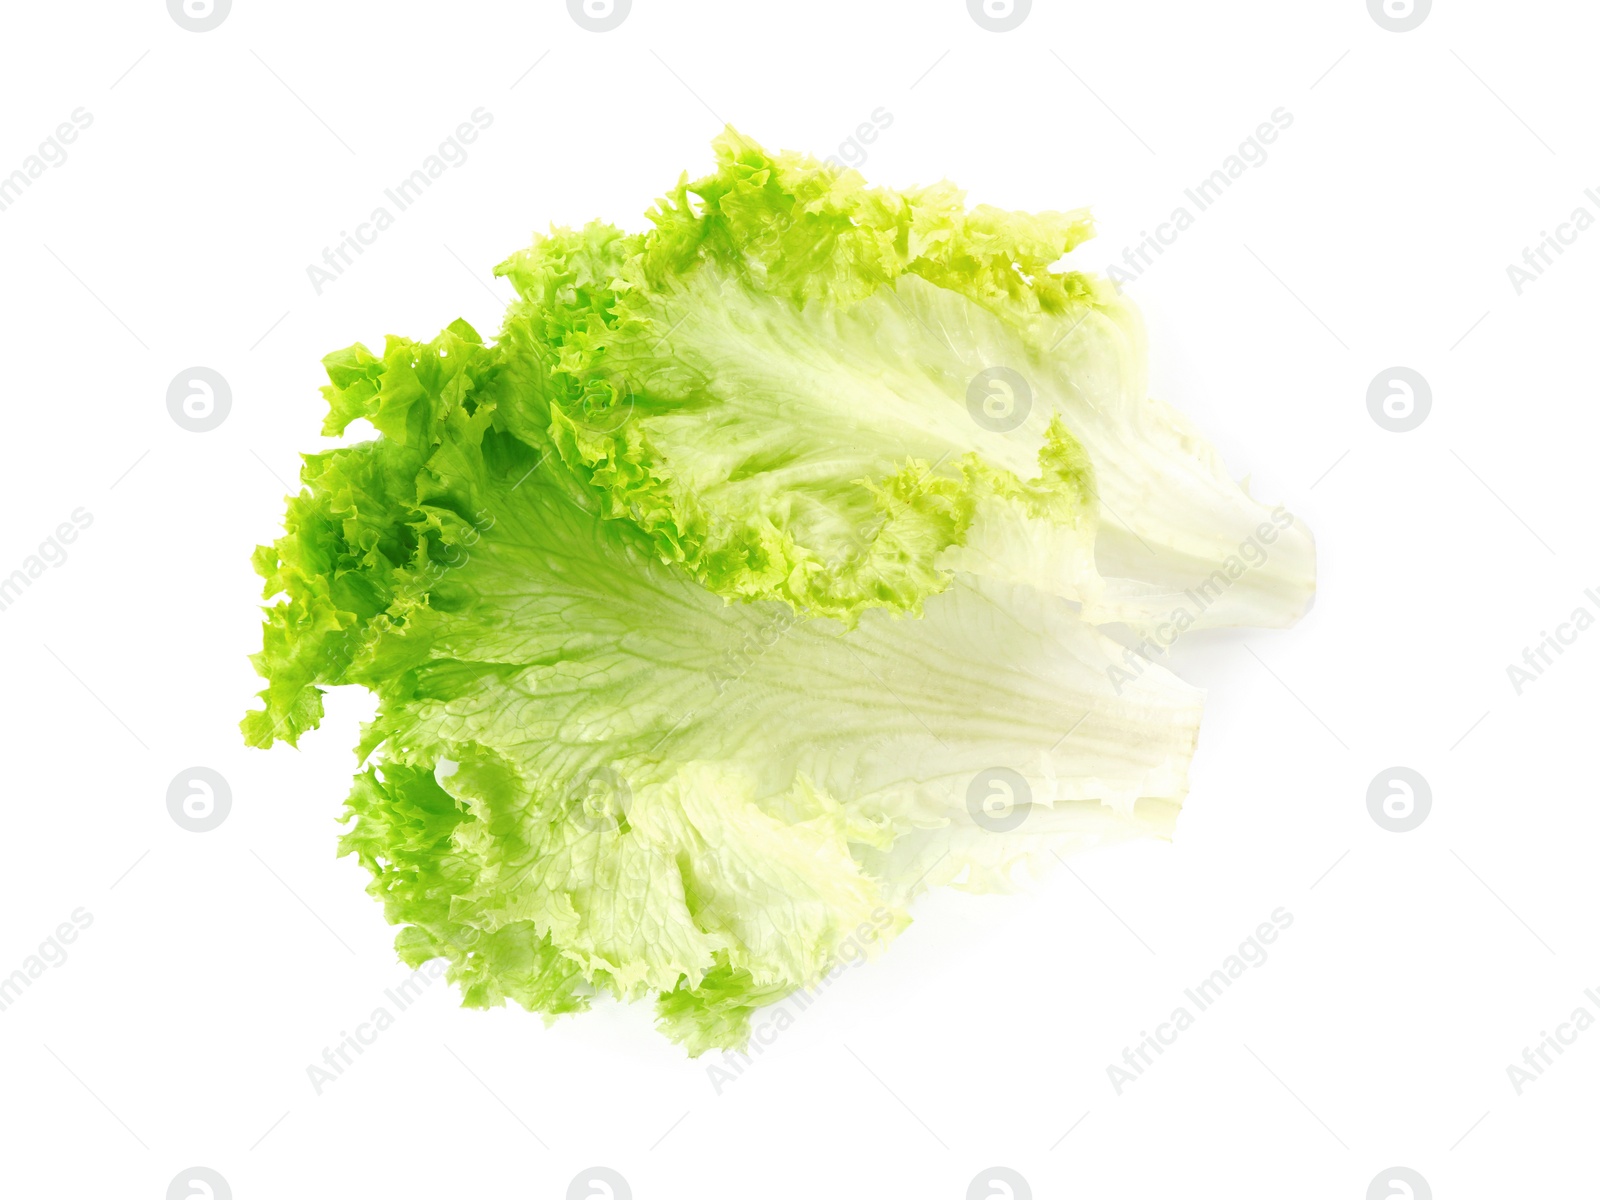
1419	965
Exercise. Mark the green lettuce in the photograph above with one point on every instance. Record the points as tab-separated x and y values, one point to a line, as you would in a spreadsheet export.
711	619
787	359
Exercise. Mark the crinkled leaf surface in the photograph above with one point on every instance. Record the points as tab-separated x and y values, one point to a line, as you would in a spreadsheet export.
705	620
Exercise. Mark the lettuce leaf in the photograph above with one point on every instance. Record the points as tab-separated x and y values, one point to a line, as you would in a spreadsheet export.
707	624
778	381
